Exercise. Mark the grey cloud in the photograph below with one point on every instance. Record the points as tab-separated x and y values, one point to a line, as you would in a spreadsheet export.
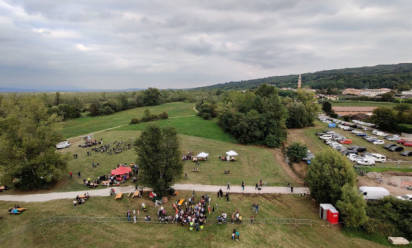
185	43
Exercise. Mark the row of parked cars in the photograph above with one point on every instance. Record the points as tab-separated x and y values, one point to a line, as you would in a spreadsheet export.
356	154
360	130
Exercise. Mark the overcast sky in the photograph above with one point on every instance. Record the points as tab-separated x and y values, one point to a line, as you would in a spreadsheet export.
102	44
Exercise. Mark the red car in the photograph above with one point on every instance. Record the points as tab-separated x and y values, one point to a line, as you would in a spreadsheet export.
401	141
407	143
346	141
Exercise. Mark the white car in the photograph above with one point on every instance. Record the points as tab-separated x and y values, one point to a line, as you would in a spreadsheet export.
365	161
393	137
377	157
326	137
63	144
352	157
405	197
379	142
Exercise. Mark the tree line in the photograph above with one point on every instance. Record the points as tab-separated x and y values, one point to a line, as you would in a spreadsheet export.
397	76
70	105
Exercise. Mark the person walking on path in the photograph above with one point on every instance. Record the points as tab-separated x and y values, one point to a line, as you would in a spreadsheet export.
291	189
78	173
243	186
256	187
257	208
228	186
227	196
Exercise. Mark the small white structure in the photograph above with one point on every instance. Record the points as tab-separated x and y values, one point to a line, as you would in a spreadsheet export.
373	193
203	155
398	241
231	153
63	144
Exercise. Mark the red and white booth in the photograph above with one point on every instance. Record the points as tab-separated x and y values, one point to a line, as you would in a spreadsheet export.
328	212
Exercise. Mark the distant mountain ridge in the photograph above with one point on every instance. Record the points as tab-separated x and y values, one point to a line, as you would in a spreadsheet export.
379	76
24	90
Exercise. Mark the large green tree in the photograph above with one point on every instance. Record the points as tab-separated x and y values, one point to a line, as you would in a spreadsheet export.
151	97
28	155
159	158
352	207
385	119
327	174
255	117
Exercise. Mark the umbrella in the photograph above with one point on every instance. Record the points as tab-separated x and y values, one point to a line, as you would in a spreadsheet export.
231	153
202	155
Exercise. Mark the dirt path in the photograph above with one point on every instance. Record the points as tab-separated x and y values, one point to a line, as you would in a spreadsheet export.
280	159
128	189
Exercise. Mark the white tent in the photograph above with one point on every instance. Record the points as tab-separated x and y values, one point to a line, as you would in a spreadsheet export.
231	153
203	155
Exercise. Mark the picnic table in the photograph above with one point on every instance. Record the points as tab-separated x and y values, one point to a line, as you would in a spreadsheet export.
118	196
136	194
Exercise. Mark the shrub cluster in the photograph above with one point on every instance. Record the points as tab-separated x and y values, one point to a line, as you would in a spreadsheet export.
149	117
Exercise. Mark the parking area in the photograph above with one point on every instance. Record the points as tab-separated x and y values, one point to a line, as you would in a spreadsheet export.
363	144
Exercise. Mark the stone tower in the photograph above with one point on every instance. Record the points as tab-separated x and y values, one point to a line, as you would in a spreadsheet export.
300	81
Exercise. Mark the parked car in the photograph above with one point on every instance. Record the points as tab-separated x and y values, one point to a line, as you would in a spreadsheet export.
396	149
346	141
405	197
379	142
358	148
326	137
388	146
365	161
377	157
401	141
393	137
406	153
352	157
408	143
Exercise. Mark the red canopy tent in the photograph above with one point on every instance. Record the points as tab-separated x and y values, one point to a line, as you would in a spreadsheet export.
122	170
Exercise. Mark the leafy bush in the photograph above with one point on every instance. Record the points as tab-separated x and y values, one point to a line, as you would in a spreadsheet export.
147	116
134	121
206	110
296	152
394	213
163	116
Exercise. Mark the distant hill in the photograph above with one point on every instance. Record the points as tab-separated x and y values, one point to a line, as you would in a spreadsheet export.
379	76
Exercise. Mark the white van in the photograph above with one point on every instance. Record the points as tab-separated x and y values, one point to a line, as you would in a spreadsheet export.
373	193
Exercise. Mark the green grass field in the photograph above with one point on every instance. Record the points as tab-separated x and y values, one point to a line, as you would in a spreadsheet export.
85	125
32	230
190	125
254	163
